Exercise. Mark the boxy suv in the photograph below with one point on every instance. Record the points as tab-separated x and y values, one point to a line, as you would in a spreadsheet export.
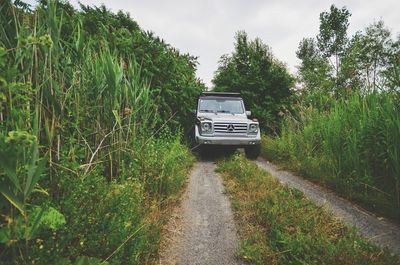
221	119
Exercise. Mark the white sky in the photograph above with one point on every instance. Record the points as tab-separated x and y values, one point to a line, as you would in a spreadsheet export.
206	28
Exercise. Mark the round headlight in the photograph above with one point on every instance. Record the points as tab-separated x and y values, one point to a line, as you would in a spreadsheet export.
206	127
253	128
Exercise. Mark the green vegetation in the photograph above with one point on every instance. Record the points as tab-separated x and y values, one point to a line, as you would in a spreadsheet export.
343	130
278	225
93	112
353	148
335	65
90	150
263	81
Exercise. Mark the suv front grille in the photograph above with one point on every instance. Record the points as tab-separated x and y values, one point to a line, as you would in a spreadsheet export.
226	127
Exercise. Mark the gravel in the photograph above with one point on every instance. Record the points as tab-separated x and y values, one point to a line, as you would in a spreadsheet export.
203	229
376	229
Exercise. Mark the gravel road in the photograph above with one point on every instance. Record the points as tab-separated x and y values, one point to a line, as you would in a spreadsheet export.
378	230
202	230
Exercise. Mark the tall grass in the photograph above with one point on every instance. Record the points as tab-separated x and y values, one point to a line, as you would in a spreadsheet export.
354	147
84	170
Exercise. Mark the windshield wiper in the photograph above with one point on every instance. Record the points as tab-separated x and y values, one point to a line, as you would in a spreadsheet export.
206	110
224	111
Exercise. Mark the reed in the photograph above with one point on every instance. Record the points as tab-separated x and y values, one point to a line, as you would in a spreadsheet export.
353	147
79	122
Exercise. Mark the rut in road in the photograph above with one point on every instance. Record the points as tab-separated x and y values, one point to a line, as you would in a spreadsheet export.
204	229
377	230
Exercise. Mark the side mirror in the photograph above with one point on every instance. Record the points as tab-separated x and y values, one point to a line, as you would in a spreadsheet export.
248	113
193	111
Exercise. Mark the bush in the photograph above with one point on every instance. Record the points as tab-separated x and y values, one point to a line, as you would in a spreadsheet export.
165	167
101	215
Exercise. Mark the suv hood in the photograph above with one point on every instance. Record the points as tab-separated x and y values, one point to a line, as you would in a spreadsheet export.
224	117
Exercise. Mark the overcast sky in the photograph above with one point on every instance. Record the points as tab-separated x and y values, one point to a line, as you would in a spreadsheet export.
206	28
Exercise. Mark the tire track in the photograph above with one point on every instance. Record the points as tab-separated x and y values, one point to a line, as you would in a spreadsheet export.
204	228
377	230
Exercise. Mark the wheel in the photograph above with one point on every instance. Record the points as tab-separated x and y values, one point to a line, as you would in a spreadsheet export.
252	151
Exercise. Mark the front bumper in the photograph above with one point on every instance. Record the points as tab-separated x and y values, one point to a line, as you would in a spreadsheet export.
228	140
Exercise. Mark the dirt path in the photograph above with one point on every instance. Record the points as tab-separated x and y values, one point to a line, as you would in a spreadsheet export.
378	230
202	230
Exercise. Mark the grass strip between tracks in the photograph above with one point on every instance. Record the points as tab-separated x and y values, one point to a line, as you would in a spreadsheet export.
278	225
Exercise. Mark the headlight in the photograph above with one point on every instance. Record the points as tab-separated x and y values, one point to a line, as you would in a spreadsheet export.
253	128
206	127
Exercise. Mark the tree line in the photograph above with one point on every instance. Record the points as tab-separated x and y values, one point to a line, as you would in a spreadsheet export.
336	120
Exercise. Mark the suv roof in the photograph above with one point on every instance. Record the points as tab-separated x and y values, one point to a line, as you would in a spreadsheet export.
219	94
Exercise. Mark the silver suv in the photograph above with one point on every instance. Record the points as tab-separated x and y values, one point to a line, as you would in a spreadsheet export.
221	119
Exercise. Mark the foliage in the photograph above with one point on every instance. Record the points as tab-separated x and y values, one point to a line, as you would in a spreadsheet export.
392	71
107	215
263	81
341	66
343	130
171	75
278	225
332	37
368	56
21	170
167	163
353	147
90	107
314	71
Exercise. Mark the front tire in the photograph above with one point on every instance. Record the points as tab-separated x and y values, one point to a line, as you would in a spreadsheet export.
252	151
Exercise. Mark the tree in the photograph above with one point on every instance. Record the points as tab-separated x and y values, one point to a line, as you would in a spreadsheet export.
392	72
314	70
263	81
377	42
332	37
368	56
314	75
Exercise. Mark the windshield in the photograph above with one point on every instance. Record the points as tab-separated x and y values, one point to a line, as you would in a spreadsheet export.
221	105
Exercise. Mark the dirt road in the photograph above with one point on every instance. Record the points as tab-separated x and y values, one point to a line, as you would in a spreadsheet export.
378	230
202	230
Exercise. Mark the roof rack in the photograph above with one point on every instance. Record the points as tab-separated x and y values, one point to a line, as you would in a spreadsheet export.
220	94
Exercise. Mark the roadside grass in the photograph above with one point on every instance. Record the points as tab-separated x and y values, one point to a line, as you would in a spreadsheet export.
91	154
121	221
353	148
278	225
